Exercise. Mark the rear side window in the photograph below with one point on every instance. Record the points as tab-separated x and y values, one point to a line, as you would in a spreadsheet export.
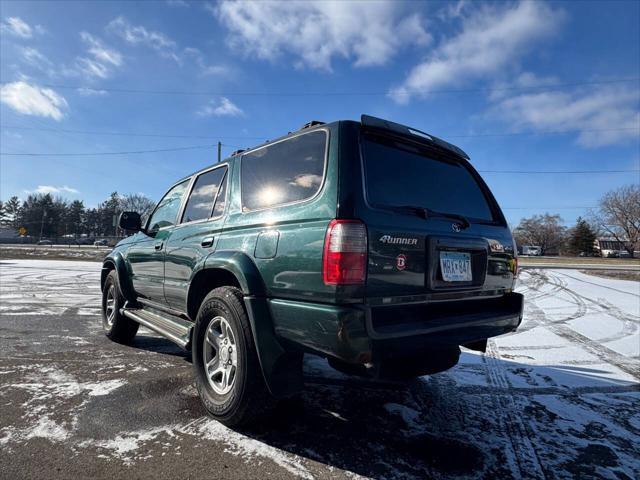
285	172
203	196
399	174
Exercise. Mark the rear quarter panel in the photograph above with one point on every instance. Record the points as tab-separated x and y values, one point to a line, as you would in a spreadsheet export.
286	242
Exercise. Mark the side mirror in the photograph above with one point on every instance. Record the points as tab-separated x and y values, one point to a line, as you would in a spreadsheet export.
130	221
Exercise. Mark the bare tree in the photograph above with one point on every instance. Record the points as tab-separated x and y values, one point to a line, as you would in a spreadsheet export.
545	231
136	202
618	215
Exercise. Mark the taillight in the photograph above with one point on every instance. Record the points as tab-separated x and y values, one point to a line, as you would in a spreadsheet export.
345	253
513	263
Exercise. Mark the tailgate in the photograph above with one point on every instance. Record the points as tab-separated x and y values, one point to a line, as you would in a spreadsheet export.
413	262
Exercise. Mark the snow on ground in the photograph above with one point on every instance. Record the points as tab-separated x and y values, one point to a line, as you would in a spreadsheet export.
49	287
559	398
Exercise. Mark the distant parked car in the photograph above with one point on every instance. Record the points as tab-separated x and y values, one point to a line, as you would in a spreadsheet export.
45	242
531	250
100	243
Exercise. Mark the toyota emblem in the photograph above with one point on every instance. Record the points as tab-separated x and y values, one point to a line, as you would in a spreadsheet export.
456	227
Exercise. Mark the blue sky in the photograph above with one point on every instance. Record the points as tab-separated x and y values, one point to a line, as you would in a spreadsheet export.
499	79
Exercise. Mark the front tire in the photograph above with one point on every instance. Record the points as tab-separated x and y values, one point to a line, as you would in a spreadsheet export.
117	327
228	374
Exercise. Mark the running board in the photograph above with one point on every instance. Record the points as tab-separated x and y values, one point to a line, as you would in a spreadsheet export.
176	329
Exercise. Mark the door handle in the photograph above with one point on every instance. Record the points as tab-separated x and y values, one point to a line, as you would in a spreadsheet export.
207	241
158	246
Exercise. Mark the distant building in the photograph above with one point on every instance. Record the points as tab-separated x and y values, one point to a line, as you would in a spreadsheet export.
609	247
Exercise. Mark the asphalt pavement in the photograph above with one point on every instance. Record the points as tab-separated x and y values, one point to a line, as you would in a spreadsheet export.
559	399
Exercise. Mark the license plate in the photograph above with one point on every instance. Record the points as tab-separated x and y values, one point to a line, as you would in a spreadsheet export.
455	266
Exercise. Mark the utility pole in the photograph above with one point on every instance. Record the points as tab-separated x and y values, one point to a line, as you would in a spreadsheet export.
44	215
219	152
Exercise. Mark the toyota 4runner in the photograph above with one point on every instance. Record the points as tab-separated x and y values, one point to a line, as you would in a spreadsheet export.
372	244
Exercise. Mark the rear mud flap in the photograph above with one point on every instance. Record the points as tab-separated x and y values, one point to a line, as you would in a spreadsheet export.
479	346
282	370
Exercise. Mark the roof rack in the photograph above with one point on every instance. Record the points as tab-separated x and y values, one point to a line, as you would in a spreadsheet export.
312	123
237	152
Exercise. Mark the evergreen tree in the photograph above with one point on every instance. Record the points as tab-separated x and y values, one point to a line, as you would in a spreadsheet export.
12	212
107	210
581	238
75	217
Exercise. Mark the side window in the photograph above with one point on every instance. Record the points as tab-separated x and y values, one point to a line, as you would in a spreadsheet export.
204	194
166	213
222	197
284	172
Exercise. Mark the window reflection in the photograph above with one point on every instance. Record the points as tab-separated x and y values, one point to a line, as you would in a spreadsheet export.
167	211
285	172
203	195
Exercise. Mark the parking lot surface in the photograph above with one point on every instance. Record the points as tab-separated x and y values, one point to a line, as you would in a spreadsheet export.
558	399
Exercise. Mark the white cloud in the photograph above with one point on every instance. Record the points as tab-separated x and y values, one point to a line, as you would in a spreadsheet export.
205	68
100	52
139	35
491	39
102	60
222	108
50	189
33	100
611	110
176	3
19	28
307	180
314	33
453	10
91	92
166	47
34	58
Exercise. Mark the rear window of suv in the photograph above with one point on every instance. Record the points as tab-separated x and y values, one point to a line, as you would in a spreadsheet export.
401	174
285	172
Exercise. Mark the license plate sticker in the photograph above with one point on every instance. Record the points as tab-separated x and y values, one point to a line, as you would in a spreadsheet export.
455	266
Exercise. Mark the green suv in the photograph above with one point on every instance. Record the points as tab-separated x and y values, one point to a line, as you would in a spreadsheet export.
372	244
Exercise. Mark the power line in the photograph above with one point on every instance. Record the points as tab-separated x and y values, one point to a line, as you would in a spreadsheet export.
352	93
545	208
558	171
214	137
201	147
96	154
544	132
125	134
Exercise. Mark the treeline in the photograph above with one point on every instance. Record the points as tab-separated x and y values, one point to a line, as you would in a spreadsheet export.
46	216
617	216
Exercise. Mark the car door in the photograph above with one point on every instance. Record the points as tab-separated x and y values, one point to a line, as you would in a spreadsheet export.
196	235
146	255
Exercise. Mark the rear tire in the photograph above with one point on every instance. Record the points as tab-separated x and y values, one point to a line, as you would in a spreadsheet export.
228	374
116	326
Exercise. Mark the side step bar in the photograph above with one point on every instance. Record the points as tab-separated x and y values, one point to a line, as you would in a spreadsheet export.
176	329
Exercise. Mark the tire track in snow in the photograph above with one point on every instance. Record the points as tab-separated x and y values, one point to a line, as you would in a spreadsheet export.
528	464
629	321
599	285
605	354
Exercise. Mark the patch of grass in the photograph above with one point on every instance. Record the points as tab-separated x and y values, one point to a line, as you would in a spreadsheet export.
579	261
617	274
43	253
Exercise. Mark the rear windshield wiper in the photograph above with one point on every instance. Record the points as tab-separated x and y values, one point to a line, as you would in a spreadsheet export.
425	212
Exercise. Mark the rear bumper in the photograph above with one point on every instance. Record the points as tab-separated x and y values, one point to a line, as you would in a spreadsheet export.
363	334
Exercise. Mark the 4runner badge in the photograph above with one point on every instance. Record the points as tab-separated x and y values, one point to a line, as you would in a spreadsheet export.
401	262
398	240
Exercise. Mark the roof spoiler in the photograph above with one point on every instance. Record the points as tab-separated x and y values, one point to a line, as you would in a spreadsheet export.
378	123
